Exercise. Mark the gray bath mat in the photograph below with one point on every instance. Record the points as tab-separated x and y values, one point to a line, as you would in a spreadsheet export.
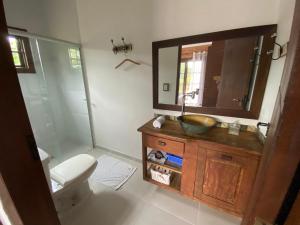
112	172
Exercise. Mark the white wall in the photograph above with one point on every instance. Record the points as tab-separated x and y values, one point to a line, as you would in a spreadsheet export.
285	19
62	19
122	99
177	18
52	18
27	14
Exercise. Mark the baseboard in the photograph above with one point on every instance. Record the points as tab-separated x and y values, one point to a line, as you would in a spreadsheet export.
118	153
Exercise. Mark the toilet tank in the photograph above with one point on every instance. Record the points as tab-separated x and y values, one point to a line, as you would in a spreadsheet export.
45	159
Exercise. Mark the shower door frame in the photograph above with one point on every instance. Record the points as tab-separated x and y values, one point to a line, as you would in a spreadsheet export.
24	33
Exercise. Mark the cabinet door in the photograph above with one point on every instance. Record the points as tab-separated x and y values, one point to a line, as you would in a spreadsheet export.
224	179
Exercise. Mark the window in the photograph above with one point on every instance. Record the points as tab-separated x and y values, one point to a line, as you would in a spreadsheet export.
74	56
192	77
21	53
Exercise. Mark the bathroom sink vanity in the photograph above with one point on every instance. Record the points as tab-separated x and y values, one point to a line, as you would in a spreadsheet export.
222	73
218	169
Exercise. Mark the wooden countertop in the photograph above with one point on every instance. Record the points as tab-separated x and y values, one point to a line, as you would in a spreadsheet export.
247	141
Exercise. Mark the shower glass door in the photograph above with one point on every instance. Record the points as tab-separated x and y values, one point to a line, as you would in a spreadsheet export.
55	99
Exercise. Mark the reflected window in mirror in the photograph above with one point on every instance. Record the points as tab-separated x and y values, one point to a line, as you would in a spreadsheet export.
192	72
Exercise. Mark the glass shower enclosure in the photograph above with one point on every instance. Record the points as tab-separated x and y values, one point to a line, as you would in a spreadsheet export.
55	98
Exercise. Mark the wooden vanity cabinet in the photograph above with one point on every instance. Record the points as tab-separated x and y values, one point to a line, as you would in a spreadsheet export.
218	169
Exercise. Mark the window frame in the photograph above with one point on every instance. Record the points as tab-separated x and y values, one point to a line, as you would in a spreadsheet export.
78	64
25	55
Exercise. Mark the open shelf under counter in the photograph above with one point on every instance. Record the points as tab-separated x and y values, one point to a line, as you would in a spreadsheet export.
166	166
175	184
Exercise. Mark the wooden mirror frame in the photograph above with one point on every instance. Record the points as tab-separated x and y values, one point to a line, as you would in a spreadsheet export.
262	74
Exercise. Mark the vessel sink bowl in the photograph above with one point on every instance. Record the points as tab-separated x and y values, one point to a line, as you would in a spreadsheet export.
196	124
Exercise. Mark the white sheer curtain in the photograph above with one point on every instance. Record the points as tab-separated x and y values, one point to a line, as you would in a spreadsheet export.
196	78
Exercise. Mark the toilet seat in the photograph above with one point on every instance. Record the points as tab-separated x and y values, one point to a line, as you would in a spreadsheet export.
73	170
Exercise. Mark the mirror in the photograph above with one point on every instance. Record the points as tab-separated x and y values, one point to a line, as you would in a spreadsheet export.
168	61
221	73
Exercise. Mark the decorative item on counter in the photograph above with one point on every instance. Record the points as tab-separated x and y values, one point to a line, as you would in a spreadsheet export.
173	118
234	128
158	122
222	124
157	156
252	129
160	175
262	124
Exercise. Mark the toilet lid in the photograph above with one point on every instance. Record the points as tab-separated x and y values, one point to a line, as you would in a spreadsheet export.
75	168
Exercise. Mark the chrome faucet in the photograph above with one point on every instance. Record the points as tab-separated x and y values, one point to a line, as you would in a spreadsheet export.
190	94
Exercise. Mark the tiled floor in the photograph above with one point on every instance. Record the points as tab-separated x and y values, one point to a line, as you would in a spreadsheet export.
141	203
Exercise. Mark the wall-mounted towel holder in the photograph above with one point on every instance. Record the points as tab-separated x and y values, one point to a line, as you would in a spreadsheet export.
125	48
121	48
127	60
281	49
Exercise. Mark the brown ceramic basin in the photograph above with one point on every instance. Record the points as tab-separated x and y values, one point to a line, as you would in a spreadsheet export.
196	124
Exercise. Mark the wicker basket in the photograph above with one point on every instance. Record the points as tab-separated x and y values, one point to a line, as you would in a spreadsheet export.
160	174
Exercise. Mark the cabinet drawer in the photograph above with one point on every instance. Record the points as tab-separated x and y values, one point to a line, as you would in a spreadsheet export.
173	147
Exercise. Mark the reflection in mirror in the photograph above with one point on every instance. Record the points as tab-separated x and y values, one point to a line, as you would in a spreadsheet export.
222	73
168	64
192	73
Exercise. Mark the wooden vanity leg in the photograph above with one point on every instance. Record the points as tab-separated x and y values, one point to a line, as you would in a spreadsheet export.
144	155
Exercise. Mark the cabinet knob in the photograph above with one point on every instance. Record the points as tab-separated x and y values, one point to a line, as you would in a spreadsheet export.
162	143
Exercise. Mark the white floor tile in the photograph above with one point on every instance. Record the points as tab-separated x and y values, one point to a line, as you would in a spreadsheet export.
141	203
207	216
174	203
147	214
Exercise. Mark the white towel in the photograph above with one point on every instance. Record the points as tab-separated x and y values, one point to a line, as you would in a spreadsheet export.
158	122
112	172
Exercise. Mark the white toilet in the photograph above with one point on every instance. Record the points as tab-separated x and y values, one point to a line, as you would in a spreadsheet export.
68	181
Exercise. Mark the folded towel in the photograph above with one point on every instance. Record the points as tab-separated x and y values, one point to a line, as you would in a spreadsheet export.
158	122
